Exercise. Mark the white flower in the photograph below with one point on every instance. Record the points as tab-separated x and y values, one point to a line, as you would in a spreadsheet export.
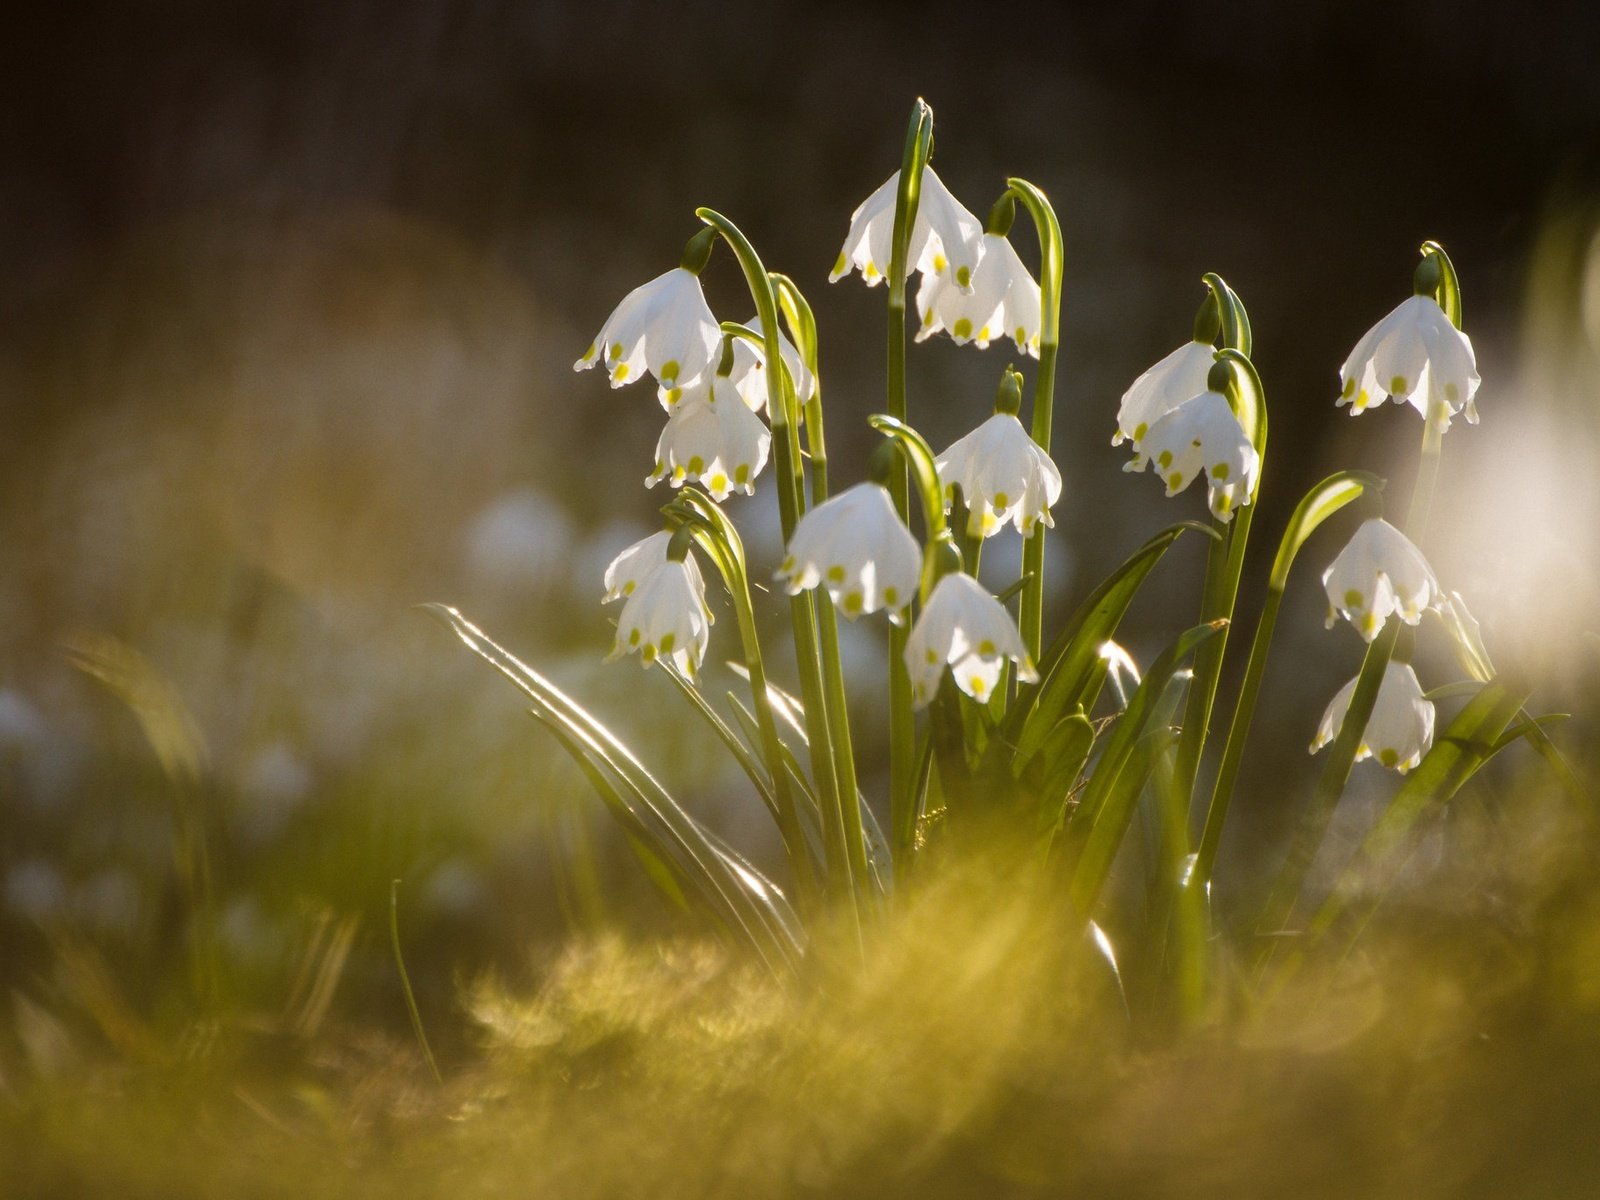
1202	432
1003	301
1401	726
1174	379
664	326
1380	572
714	438
749	373
666	617
641	560
964	626
857	546
944	237
1414	354
1004	476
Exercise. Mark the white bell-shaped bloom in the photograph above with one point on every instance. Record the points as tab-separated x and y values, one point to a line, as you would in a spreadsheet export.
1400	730
1003	301
664	327
1417	355
749	373
713	438
1174	379
1004	476
641	560
666	617
1202	434
945	237
966	628
1377	573
856	546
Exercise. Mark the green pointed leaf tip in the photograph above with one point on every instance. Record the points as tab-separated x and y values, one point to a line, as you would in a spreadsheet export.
1448	288
1320	503
1234	320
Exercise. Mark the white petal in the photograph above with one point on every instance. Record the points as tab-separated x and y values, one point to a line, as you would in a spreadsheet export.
1161	389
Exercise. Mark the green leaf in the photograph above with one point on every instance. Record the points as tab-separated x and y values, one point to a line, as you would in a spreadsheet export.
1096	828
1070	665
745	902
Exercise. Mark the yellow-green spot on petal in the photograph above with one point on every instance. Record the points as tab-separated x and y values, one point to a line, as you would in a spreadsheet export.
616	351
963	276
989	522
1369	622
1021	335
741	474
840	264
648	653
627	589
962	328
674	395
1140	430
890	595
696	465
1361	399
787	566
1175	480
932	657
870	271
633	637
1164	459
977	685
619	372
719	482
940	262
836	574
667	641
1397	385
588	355
1452	393
983	334
1354	599
1349	389
1219	471
669	370
853	603
986	648
1389	758
1001	500
927	318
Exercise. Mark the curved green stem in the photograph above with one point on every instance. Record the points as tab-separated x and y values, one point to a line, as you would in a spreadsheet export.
1048	228
902	727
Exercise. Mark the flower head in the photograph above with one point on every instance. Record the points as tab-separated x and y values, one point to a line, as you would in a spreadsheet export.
1002	301
749	373
714	438
944	237
666	617
1004	476
1161	389
1202	432
664	327
966	628
1377	573
857	546
1401	726
641	560
1414	354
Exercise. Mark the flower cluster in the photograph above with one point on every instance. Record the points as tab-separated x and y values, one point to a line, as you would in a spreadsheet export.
664	611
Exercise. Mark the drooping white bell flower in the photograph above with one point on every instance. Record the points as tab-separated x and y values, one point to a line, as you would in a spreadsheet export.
749	373
1417	355
1161	389
642	559
1400	730
966	628
664	327
1003	301
945	237
856	546
1380	572
1004	476
1202	433
713	438
665	617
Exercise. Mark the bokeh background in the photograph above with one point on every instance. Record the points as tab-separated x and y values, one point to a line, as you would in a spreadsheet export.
289	294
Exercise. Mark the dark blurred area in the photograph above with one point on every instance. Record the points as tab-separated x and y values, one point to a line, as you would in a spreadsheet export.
289	298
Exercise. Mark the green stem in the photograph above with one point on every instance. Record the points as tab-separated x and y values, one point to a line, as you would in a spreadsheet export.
1048	228
902	727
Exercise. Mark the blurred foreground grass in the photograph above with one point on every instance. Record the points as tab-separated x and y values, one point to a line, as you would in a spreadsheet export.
1456	1052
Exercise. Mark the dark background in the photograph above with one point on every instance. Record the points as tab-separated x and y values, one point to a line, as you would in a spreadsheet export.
289	294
